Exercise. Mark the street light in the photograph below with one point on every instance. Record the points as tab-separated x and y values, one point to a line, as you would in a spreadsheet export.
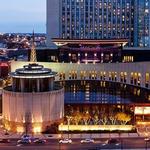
68	123
146	144
120	139
59	137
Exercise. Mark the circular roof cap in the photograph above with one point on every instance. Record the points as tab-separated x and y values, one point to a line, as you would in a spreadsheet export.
33	70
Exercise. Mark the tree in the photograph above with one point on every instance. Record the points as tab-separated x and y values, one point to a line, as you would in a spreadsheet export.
86	117
96	119
123	117
68	119
7	81
77	117
112	119
104	119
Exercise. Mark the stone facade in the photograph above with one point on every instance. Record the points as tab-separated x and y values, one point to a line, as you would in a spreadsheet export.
39	109
136	74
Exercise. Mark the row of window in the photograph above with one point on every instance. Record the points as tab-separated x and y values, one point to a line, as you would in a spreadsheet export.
135	77
128	59
81	18
143	25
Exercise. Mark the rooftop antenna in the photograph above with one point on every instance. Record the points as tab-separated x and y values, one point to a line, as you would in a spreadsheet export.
33	50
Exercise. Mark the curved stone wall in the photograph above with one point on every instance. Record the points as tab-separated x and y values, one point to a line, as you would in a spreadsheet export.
39	109
136	74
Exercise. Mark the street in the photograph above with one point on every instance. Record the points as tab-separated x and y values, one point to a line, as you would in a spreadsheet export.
125	143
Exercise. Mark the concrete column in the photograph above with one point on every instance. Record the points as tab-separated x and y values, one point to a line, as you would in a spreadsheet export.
38	85
51	83
41	84
128	77
22	85
14	84
143	78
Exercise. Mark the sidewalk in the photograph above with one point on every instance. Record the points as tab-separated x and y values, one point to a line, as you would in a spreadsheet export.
95	136
72	136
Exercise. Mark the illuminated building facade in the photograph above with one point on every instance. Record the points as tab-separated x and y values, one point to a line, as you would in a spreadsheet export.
99	19
4	69
34	101
90	51
88	19
134	73
86	89
142	23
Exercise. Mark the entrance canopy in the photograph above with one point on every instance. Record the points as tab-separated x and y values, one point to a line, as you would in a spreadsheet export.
62	42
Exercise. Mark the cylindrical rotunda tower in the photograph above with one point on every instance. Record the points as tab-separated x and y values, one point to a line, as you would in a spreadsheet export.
34	101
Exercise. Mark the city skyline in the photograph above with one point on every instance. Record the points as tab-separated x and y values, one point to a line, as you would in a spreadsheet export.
23	16
74	74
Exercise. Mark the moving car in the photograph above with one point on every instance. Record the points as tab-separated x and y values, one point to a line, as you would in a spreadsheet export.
147	139
6	133
39	141
26	137
24	141
113	141
87	141
4	141
65	141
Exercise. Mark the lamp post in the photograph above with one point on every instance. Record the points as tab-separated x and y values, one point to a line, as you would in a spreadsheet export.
68	123
59	137
145	144
120	139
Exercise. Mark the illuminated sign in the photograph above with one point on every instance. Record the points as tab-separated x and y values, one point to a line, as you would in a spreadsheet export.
3	64
94	127
142	110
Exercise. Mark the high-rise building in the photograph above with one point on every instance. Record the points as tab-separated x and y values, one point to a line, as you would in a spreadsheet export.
142	23
99	19
90	19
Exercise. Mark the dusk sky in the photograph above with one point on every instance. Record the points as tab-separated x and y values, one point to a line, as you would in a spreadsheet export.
22	16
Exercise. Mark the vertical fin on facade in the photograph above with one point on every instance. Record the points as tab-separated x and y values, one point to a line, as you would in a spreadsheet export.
33	51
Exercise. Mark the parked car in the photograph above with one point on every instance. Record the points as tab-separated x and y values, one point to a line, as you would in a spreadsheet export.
39	141
65	141
6	133
4	141
24	141
87	141
147	139
113	141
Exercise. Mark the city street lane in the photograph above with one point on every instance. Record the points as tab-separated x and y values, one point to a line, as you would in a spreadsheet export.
130	143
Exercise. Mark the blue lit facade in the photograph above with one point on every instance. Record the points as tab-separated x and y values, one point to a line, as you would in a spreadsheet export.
142	23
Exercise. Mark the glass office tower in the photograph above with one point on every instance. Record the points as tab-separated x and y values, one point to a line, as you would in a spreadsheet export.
90	19
142	23
99	19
